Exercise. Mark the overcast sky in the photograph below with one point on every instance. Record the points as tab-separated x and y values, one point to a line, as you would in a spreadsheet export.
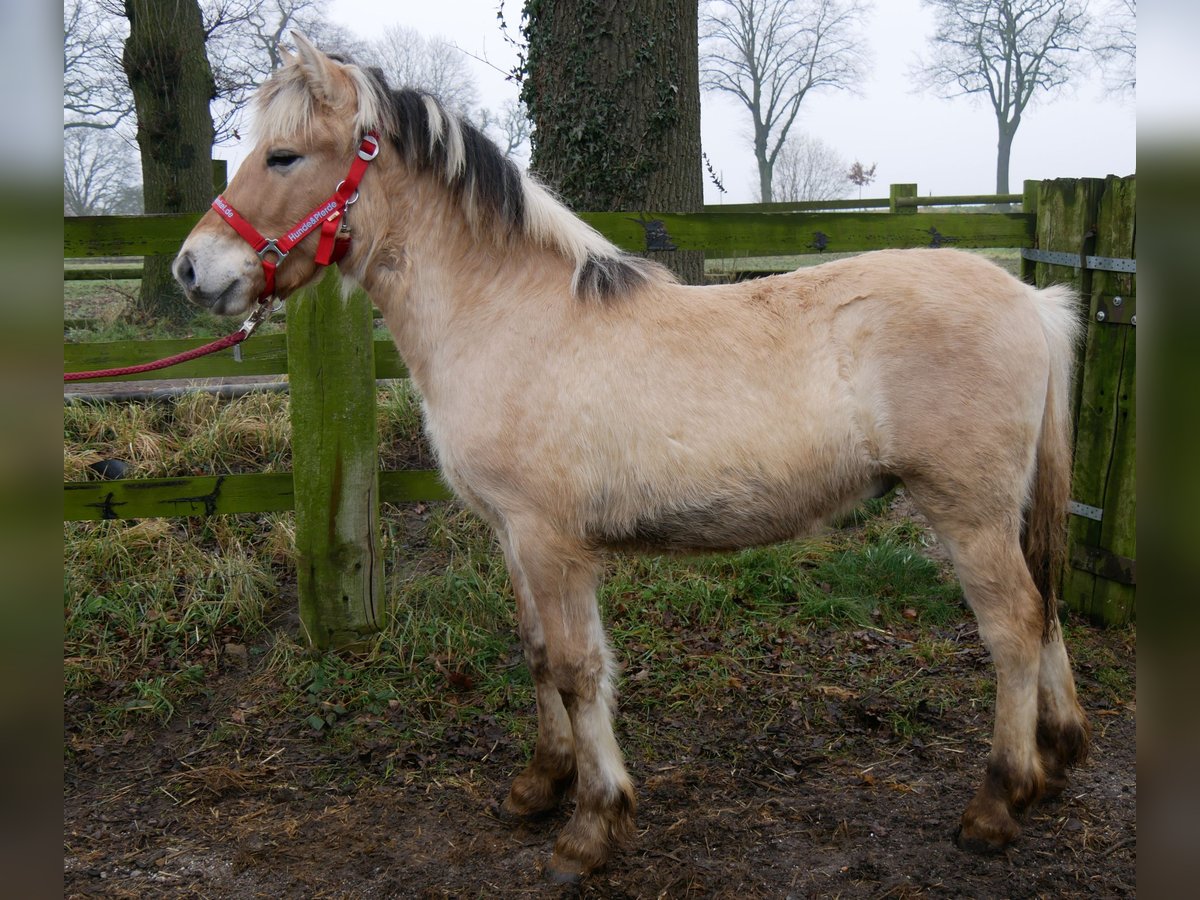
945	146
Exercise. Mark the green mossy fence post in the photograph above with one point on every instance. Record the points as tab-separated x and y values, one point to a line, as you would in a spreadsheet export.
331	369
895	192
1095	217
1031	190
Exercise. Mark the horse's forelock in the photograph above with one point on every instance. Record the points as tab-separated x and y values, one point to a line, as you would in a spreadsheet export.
288	101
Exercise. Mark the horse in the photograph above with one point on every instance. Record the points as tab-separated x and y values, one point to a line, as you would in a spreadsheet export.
582	401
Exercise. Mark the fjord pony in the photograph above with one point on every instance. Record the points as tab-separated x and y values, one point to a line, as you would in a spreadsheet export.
580	401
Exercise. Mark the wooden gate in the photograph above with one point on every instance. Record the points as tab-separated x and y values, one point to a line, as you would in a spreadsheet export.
1086	235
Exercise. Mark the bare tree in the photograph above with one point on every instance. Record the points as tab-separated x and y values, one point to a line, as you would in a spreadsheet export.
97	169
861	175
95	92
410	59
510	128
770	54
243	40
1116	46
1007	50
808	169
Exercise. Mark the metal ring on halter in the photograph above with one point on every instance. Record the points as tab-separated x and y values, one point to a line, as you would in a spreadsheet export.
272	247
375	148
339	187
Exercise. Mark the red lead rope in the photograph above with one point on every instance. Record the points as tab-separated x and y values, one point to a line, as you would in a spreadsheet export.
228	341
256	318
331	247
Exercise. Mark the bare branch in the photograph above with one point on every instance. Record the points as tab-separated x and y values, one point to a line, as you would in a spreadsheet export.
95	93
96	174
1009	51
1116	46
409	59
769	54
806	168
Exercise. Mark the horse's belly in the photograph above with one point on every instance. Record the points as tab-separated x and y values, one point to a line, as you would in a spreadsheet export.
727	519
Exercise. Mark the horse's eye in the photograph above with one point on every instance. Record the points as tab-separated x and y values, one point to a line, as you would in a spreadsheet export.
281	159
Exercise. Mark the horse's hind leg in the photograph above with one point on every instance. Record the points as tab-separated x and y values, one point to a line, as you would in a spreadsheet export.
568	653
1008	607
1062	730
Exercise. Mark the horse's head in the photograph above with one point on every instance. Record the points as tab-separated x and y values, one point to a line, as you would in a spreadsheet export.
310	119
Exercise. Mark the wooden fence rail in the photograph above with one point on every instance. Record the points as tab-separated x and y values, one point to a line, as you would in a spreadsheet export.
335	487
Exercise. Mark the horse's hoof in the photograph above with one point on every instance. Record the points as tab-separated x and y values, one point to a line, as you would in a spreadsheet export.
986	840
515	811
506	813
568	876
534	796
1055	784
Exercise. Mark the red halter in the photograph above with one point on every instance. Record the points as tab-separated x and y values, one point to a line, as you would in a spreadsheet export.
333	243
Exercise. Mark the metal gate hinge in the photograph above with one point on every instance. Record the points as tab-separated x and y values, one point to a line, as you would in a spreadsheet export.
1100	263
1076	508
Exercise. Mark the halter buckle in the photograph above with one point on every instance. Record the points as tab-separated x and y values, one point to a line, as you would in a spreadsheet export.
374	152
273	247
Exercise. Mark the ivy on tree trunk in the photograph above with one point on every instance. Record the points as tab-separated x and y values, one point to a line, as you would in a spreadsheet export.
172	84
614	93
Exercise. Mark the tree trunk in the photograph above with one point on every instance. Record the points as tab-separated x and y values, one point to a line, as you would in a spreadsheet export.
1003	154
172	84
766	170
766	187
613	89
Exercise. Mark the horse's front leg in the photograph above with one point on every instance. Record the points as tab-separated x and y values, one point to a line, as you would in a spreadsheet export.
551	772
573	671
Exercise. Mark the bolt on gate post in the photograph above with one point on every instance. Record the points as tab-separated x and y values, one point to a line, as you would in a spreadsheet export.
331	368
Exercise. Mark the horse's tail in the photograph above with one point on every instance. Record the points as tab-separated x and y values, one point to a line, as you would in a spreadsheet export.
1044	539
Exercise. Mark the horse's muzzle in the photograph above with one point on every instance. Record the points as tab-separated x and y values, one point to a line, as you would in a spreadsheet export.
212	280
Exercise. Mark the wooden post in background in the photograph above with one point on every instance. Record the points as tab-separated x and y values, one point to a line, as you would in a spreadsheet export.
895	192
331	369
1031	190
1095	217
220	175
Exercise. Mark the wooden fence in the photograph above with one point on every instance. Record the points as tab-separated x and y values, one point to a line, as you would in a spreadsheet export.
332	363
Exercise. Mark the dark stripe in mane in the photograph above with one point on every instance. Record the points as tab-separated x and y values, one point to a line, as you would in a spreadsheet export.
606	277
488	179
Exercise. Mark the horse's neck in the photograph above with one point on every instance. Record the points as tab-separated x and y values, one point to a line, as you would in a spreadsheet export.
444	291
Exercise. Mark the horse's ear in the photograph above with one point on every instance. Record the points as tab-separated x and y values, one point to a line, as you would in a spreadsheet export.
322	73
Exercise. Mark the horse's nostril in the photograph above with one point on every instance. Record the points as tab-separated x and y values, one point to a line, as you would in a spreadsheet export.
185	272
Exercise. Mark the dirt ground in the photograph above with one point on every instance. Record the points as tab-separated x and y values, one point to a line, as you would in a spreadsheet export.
825	802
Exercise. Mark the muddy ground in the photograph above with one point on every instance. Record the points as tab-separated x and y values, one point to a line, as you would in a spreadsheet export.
827	801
